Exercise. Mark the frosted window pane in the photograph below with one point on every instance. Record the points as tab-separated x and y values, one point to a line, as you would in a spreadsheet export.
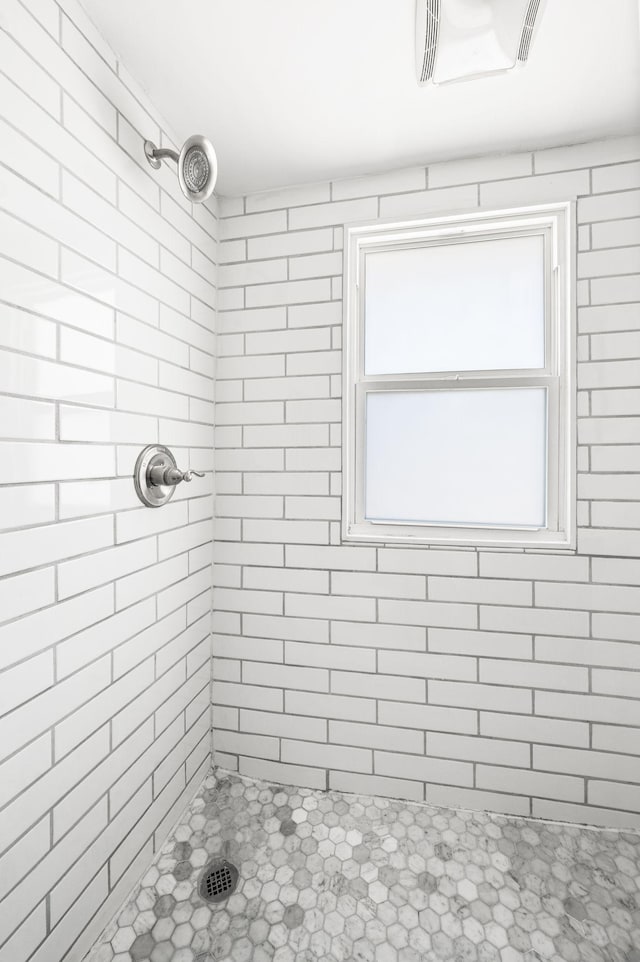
457	457
474	306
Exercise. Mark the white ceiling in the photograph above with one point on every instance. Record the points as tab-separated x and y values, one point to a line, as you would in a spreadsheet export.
293	91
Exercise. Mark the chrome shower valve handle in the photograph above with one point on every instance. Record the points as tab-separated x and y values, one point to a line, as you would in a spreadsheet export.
156	475
191	474
161	474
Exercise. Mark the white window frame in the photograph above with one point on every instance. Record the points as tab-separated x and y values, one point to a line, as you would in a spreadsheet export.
556	223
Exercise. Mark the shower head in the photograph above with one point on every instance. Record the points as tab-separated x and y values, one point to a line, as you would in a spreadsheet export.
197	166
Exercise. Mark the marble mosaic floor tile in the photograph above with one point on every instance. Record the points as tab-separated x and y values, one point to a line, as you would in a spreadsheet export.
331	878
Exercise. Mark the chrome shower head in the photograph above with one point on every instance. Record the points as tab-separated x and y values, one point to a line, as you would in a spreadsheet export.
197	166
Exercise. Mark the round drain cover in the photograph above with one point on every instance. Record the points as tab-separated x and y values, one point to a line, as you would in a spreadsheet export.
218	880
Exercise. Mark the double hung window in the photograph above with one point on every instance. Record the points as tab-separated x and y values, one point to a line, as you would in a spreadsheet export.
458	380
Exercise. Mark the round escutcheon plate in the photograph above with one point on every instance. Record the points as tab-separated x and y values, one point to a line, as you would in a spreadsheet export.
153	495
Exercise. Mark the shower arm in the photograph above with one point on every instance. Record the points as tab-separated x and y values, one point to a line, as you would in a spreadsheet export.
156	154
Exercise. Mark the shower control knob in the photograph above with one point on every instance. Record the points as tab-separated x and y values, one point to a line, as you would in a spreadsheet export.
161	474
157	474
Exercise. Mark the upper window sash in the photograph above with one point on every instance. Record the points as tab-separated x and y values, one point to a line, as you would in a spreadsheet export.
422	239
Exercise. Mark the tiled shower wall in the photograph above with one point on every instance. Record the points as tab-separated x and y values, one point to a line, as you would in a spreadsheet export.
502	680
106	344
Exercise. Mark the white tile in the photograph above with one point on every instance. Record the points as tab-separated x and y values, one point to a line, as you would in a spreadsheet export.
289	197
27	851
25	767
433	561
29	246
519	781
288	244
597	708
448	772
394	182
527	728
545	567
106	287
320	606
250	225
142	522
29	934
330	706
45	50
328	756
429	613
81	498
38	883
27	116
340	212
282	725
535	190
104	705
29	75
49	625
24	681
286	676
26	332
601	207
466	695
503	672
443	200
64	226
105	566
146	637
289	292
98	780
83	349
489	644
30	720
27	504
480	590
143	399
43	295
377	785
181	645
477	169
478	749
614	150
298	629
46	379
378	585
37	546
391	687
283	773
592	763
144	337
252	272
411	664
539	620
116	427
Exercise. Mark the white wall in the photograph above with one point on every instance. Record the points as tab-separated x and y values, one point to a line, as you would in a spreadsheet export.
483	679
106	344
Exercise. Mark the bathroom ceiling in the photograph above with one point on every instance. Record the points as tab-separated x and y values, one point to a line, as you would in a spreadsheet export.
293	91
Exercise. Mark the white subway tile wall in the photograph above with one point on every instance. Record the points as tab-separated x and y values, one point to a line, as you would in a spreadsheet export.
107	296
499	679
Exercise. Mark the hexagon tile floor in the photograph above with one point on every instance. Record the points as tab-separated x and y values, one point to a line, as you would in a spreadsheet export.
334	878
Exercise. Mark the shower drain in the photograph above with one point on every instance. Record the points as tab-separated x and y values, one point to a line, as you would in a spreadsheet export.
218	881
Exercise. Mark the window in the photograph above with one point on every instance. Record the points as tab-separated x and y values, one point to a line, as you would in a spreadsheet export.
458	380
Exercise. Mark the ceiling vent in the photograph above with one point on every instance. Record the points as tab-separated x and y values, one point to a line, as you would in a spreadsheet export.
463	39
527	30
427	25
